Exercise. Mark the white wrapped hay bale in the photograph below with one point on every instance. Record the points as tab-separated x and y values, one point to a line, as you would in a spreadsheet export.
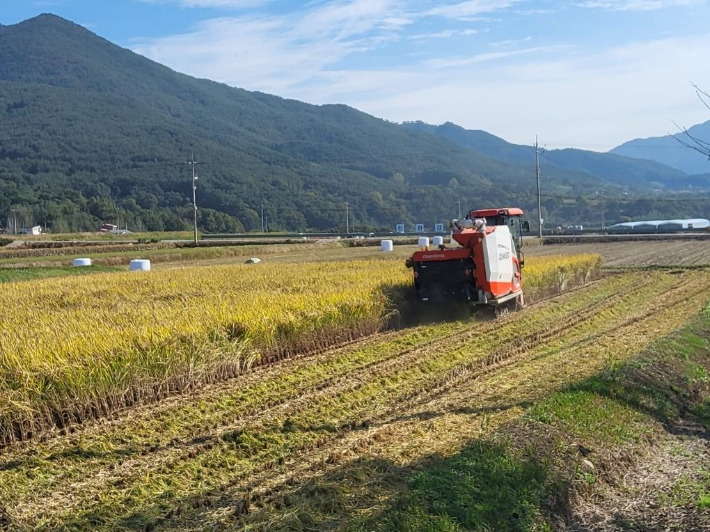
139	265
387	245
80	263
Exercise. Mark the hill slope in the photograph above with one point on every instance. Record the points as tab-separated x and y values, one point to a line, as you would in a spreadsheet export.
668	151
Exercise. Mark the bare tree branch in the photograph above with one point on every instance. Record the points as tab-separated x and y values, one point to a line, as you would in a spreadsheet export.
690	146
702	95
699	145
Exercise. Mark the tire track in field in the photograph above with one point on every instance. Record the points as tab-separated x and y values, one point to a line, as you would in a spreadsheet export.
342	384
589	313
268	492
270	371
341	380
266	373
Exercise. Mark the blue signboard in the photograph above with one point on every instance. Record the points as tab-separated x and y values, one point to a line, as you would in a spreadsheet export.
400	228
439	228
419	228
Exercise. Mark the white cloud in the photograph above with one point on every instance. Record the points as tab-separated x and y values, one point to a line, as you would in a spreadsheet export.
275	53
444	34
223	4
570	95
491	56
471	8
593	100
635	5
509	43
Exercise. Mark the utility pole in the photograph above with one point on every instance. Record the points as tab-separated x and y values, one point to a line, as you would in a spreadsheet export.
539	195
262	216
459	208
347	218
602	202
601	206
193	165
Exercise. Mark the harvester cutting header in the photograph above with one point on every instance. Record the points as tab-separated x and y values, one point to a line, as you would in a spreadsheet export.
484	270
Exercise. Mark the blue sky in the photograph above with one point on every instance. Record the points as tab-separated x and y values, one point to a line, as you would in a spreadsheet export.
585	73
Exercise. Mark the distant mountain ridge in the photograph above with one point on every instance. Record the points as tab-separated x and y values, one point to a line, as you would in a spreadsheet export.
669	151
624	171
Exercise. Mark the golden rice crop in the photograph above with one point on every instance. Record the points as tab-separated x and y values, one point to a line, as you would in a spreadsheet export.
81	347
554	273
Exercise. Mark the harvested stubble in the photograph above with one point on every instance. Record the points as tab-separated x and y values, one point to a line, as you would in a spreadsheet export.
80	348
193	463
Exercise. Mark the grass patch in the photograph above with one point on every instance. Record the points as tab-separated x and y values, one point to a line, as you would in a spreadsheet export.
591	416
522	477
12	275
482	488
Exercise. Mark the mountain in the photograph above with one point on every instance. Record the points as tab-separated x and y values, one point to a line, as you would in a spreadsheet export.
624	171
668	151
479	141
92	132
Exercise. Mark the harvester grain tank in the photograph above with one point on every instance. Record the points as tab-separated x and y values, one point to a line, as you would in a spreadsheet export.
486	268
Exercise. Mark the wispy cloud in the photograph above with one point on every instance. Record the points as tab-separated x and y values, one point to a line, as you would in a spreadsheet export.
510	43
221	4
276	52
361	52
593	100
444	34
471	8
492	56
635	5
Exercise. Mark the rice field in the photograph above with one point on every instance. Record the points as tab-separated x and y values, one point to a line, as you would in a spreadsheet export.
75	348
318	442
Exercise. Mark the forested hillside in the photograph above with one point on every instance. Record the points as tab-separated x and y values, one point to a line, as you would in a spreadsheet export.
91	132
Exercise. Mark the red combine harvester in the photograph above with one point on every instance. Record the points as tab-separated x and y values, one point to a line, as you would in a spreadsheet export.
485	270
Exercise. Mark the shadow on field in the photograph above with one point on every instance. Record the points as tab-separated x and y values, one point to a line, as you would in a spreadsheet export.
671	385
408	311
520	478
481	488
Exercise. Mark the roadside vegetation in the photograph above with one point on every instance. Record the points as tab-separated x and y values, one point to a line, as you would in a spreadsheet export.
11	275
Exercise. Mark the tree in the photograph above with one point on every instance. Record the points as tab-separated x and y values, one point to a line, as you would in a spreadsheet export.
691	141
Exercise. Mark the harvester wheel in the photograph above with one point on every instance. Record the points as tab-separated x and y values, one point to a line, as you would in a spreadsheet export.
514	305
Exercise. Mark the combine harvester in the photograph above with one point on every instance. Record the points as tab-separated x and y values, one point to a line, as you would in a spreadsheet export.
485	270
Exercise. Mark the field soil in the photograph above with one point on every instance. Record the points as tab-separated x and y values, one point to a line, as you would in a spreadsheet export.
637	254
328	441
661	491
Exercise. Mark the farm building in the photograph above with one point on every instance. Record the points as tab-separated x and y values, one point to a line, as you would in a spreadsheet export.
108	228
660	226
34	230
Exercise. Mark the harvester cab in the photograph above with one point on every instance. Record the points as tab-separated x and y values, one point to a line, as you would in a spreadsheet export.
486	267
